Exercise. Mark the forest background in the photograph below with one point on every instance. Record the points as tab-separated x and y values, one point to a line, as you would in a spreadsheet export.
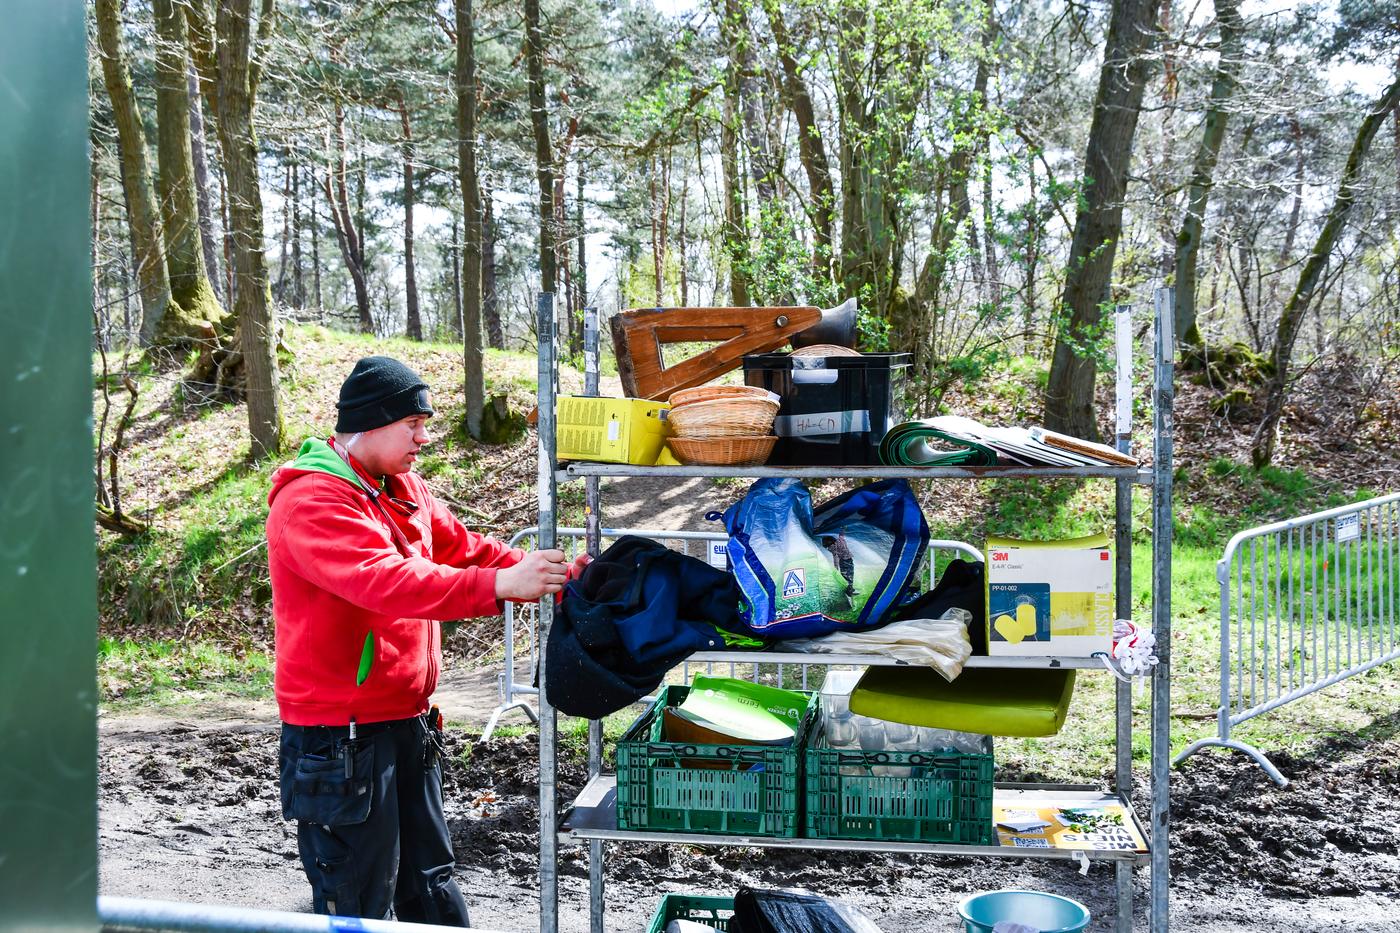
281	187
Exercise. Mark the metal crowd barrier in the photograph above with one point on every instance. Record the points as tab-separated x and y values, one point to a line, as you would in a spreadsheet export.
522	620
1304	603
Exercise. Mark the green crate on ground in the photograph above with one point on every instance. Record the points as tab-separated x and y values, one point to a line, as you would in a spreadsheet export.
666	786
711	911
898	796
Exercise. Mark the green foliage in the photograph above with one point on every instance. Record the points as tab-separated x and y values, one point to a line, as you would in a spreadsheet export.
1048	510
872	331
779	265
217	563
573	734
158	671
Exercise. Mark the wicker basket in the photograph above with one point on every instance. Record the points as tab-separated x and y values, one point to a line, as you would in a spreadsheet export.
718	417
734	450
705	393
826	349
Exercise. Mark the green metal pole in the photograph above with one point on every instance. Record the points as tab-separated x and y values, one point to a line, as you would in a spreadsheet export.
48	592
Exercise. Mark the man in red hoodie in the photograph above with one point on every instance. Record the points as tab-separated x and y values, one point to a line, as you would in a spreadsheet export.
365	564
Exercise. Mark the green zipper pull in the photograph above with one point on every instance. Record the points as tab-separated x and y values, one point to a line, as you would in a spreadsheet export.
366	659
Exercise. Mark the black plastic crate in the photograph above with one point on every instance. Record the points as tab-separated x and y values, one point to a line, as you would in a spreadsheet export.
834	409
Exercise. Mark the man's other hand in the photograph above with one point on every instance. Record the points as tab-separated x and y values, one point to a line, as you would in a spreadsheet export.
538	573
576	568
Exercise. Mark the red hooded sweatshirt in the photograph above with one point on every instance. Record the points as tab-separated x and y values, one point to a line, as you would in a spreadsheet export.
358	606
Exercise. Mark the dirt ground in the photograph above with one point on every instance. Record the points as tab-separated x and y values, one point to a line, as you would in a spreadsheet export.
189	811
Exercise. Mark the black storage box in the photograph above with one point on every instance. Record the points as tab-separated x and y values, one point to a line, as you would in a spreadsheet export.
835	409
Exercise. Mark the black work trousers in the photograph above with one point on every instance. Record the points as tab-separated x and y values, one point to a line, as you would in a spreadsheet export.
370	824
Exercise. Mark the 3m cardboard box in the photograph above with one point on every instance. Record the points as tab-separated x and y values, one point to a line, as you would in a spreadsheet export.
1049	597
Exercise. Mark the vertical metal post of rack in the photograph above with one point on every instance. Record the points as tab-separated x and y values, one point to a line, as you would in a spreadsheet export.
1123	587
545	538
1162	397
593	539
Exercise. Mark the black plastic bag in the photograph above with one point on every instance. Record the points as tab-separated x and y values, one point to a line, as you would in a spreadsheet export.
963	585
758	911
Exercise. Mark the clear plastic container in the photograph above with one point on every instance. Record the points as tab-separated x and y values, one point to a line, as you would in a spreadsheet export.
843	729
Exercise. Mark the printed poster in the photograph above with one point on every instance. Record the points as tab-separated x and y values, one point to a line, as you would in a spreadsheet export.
1102	825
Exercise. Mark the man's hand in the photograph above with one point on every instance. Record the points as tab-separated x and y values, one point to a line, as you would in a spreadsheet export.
538	573
576	568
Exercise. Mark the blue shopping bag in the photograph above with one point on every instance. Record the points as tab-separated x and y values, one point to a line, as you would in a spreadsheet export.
845	566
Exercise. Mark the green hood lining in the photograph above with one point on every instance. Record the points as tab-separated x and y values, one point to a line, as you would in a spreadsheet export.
316	456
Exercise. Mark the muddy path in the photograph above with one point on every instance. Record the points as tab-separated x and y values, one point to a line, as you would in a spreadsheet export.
189	811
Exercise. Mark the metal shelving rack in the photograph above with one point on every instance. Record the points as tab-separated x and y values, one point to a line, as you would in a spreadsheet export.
592	818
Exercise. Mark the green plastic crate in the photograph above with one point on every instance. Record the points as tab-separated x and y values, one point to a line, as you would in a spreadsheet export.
758	793
711	911
929	797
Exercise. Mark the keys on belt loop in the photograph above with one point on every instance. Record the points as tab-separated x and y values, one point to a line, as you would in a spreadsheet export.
434	743
347	752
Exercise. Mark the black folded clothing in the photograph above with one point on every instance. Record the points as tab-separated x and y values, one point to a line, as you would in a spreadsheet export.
963	585
758	911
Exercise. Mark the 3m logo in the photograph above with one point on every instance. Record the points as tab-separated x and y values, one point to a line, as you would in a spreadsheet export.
794	583
1103	555
1001	555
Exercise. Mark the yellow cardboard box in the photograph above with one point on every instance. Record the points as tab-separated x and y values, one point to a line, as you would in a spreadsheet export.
1049	597
611	430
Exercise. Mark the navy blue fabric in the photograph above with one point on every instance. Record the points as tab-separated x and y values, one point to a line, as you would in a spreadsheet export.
635	612
374	844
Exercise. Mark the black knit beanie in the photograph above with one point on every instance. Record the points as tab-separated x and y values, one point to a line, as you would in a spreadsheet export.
380	391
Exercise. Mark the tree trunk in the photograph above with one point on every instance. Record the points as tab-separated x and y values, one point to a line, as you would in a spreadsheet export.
1069	396
410	280
1188	241
316	249
298	280
581	279
735	232
657	243
200	158
992	281
490	305
734	32
351	241
454	257
193	301
237	84
682	243
1266	435
473	355
562	238
1295	212
811	151
960	165
539	124
230	287
856	266
284	242
142	215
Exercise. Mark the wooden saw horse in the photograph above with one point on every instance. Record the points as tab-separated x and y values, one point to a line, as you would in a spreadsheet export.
639	334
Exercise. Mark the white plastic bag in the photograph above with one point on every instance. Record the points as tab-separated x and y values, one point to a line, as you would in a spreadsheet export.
942	644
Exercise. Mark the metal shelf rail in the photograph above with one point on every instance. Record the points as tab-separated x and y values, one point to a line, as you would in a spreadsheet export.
591	818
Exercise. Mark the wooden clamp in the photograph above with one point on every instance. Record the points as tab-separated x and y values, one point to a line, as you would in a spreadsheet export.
639	334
